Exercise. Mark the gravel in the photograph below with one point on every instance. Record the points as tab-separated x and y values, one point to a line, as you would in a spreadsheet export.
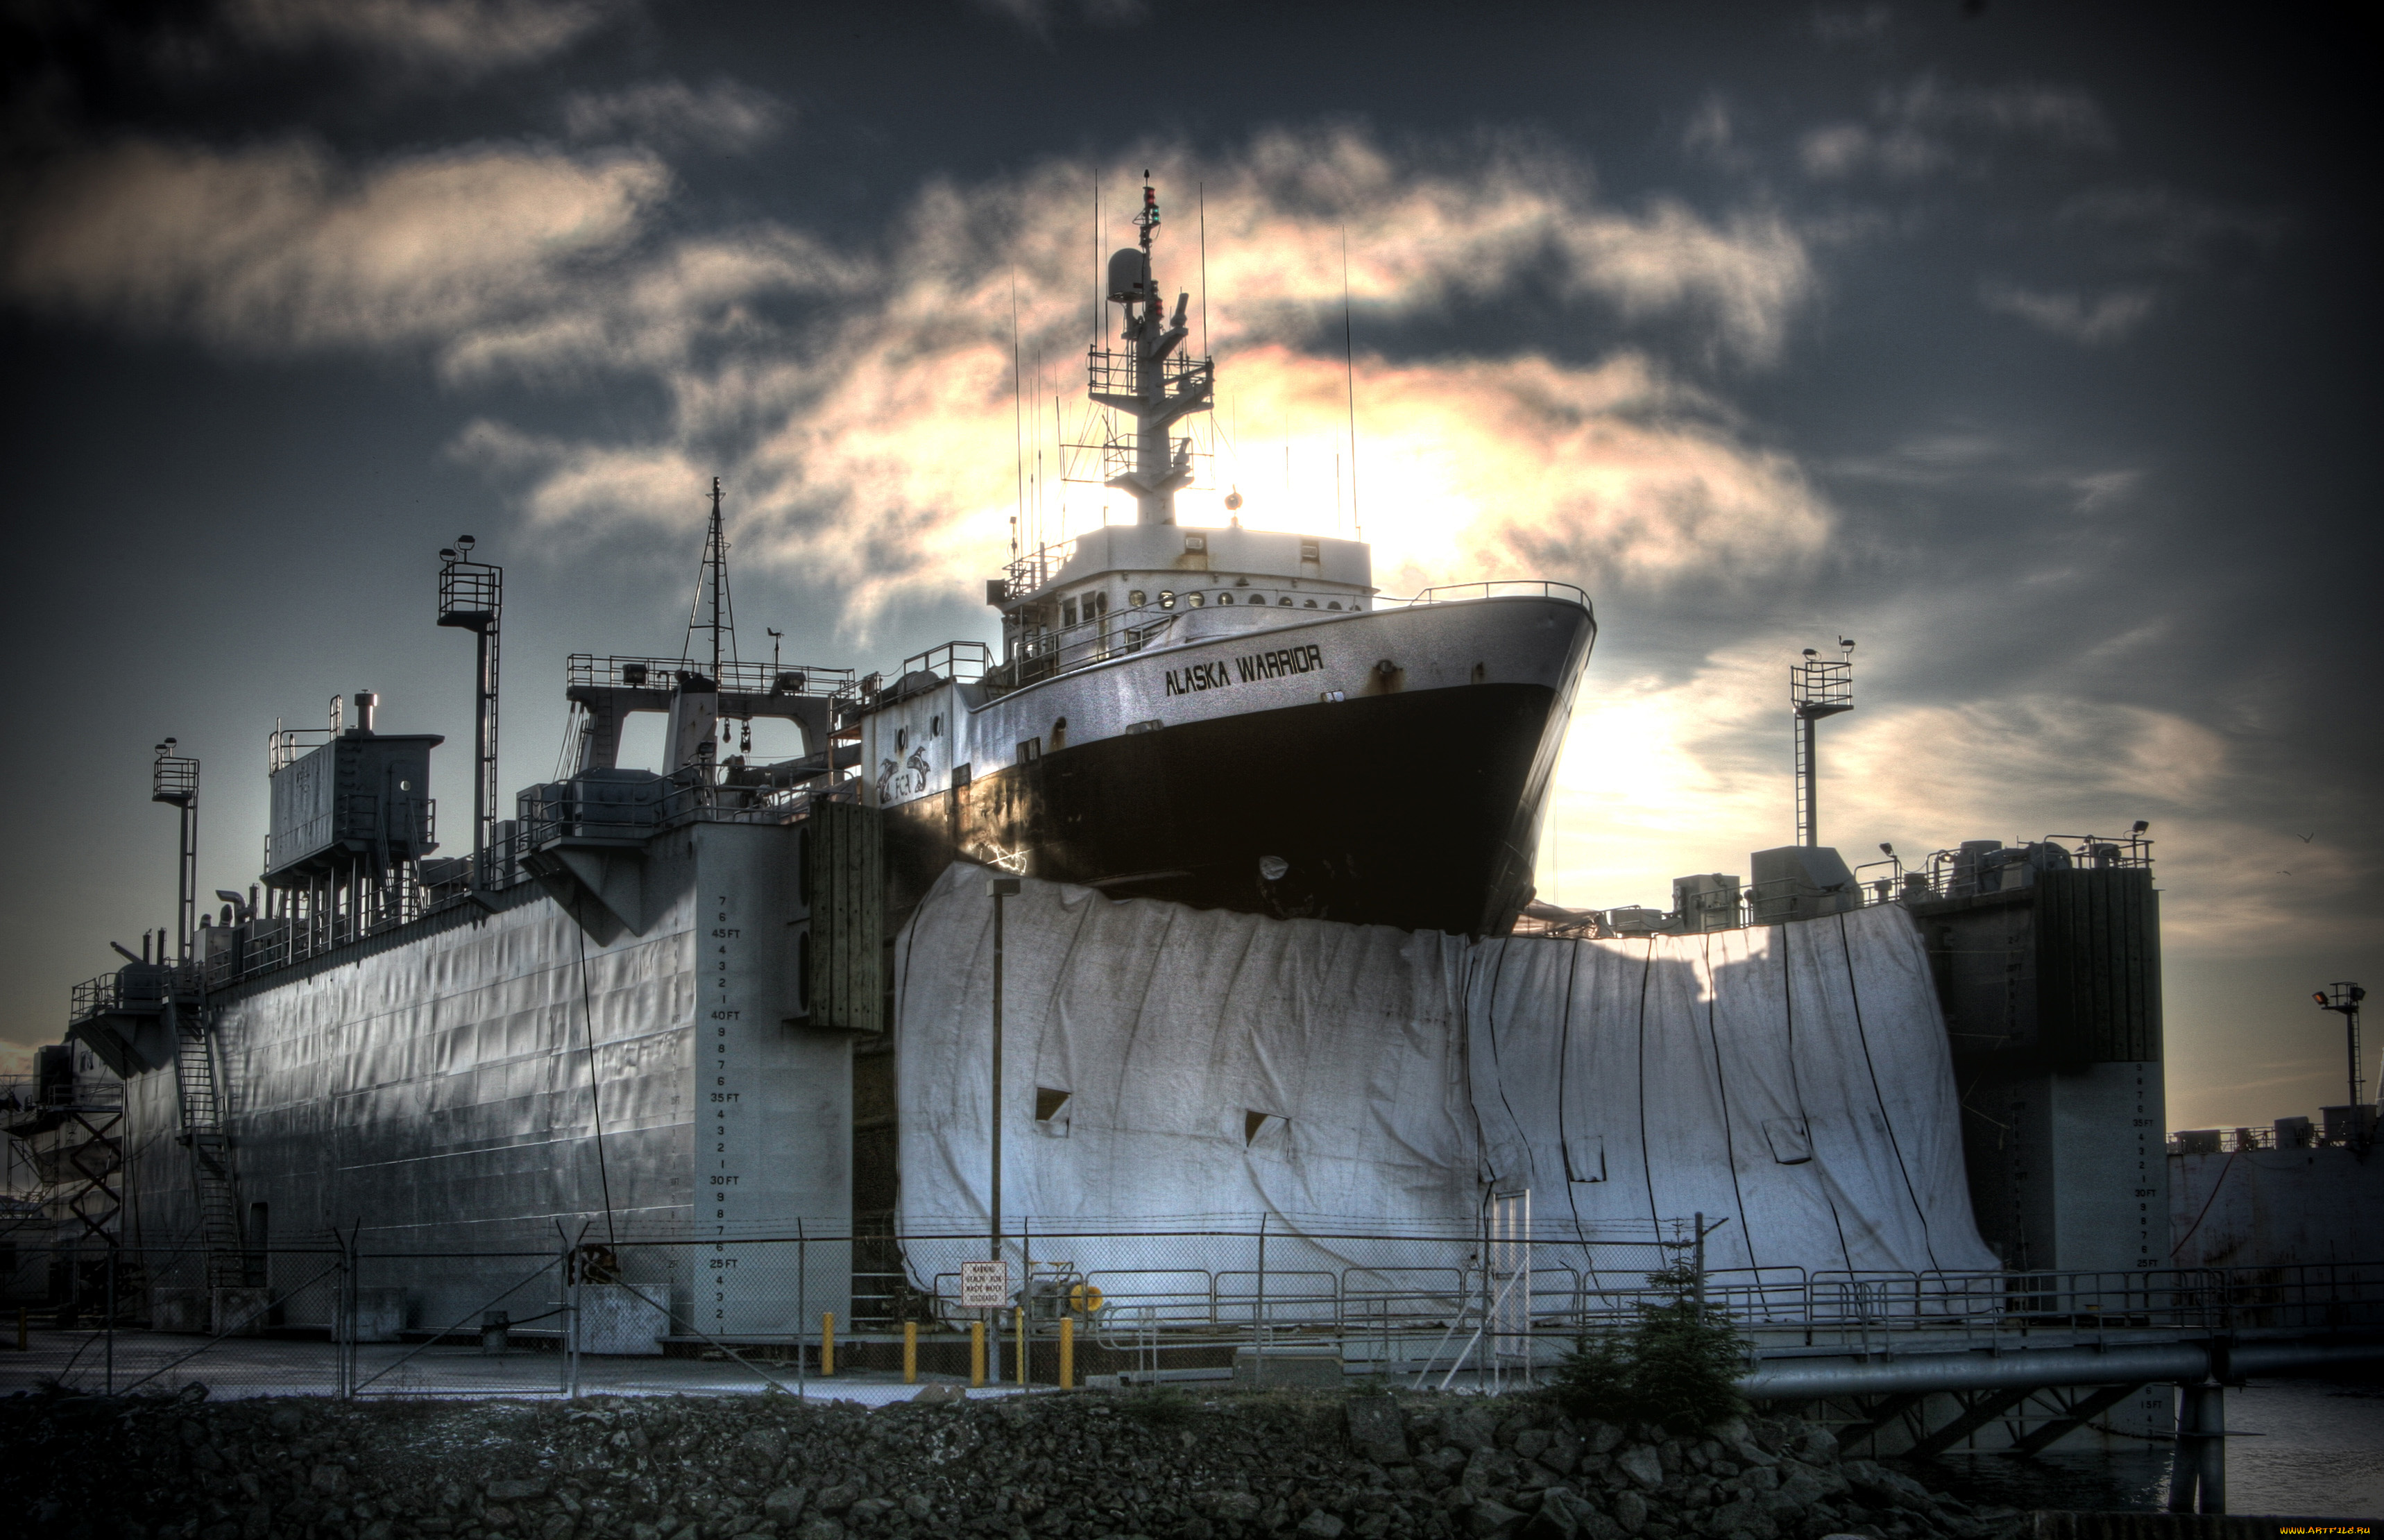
1157	1465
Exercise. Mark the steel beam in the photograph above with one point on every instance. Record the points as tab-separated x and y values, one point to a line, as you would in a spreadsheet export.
2140	1363
2079	1414
1977	1414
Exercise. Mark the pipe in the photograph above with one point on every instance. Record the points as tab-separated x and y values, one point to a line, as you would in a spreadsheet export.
2033	1368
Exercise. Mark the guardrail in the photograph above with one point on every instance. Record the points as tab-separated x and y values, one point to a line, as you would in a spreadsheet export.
1184	1302
736	677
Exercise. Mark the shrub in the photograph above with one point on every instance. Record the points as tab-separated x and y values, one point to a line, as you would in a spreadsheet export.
1677	1367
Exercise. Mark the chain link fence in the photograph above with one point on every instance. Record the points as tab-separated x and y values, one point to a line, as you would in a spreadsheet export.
349	1318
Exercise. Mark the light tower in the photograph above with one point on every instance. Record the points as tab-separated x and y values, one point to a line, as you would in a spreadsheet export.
470	598
1817	687
175	780
2343	998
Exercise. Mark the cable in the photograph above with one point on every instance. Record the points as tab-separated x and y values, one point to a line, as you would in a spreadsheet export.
1349	378
2215	1188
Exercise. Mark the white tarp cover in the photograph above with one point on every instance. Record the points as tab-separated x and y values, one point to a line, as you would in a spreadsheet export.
1216	1067
1354	1079
1795	1079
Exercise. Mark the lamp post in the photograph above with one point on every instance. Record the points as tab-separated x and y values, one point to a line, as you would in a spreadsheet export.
996	889
2342	999
174	780
470	599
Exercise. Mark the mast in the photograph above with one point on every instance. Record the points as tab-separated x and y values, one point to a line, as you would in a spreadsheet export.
716	557
1149	380
711	590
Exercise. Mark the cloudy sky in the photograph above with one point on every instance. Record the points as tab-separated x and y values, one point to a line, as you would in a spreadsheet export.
2028	347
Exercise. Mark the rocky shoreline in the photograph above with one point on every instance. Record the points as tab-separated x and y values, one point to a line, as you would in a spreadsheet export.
1161	1465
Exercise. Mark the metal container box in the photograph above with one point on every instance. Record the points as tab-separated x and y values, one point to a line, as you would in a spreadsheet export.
360	795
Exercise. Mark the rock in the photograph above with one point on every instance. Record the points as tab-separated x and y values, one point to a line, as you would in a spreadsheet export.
764	1446
785	1505
1241	1507
1641	1464
1447	1460
1529	1442
1486	1520
918	1505
820	1528
1323	1525
1490	1469
1561	1454
1376	1430
1629	1511
868	1511
329	1480
1564	1516
1472	1428
939	1394
837	1498
1739	1518
517	1491
289	1421
1601	1438
1818	1447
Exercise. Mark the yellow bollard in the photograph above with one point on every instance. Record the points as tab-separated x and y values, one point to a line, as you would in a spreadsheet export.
827	1344
976	1355
1018	1336
1067	1352
910	1352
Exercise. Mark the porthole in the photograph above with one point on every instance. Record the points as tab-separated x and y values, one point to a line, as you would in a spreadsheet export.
901	739
1310	604
1224	599
406	786
1334	605
1134	596
1166	599
1198	598
1285	600
936	727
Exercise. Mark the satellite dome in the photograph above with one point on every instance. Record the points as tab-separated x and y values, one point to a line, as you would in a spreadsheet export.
1129	277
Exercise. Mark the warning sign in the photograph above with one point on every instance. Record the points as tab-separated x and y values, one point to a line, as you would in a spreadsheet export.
985	1285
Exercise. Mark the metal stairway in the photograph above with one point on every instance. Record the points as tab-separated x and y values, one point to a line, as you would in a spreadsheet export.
203	1132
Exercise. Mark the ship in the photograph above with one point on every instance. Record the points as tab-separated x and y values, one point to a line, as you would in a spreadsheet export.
1232	717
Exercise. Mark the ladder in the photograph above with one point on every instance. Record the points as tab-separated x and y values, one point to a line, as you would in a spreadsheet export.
203	1132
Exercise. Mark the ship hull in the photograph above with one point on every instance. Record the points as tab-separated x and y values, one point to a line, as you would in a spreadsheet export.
1413	807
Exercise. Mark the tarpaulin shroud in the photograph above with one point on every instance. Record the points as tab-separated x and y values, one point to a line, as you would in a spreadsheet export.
1794	1080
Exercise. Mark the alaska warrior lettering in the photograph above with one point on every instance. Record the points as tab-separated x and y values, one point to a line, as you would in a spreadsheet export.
1194	678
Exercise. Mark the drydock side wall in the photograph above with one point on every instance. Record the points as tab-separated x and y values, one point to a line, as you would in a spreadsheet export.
1183	1063
2051	995
439	1093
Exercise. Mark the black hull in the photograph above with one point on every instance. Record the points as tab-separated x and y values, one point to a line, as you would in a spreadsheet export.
1415	810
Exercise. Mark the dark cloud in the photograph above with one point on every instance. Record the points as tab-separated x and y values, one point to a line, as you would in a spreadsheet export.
2034	355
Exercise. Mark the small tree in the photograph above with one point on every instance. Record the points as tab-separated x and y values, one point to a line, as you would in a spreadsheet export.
1677	1367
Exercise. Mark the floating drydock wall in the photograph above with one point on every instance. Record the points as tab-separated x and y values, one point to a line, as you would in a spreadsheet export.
437	1090
2276	1208
1161	1060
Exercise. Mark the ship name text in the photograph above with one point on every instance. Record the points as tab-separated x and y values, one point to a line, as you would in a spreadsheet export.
1248	669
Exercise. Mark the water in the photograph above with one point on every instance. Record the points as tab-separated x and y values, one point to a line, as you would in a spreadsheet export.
2320	1454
